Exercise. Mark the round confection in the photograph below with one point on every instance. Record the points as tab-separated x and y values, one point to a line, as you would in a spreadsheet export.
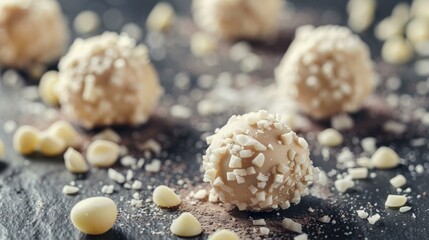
257	162
107	80
249	19
31	32
326	70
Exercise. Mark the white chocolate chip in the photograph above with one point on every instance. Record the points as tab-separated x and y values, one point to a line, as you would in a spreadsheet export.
259	222
200	194
343	184
291	225
102	153
264	230
86	22
324	219
164	196
369	144
154	166
398	181
224	234
66	132
404	209
47	88
161	17
358	173
384	158
395	201
330	138
95	215
75	162
26	140
373	219
51	145
302	236
397	50
362	214
109	135
186	225
70	190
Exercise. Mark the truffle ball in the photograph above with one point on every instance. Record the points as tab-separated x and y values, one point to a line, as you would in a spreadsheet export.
31	32
257	162
106	80
326	70
250	19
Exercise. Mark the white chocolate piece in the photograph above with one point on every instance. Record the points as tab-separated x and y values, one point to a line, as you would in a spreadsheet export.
106	80
33	32
161	18
186	225
95	215
271	177
249	19
291	225
362	214
200	194
302	236
398	181
327	70
51	145
358	173
86	22
389	27
373	219
342	185
395	201
417	31
259	222
102	153
397	50
70	190
202	44
264	231
75	162
384	158
47	87
66	132
361	14
330	138
224	234
164	196
404	209
26	140
2	150
109	135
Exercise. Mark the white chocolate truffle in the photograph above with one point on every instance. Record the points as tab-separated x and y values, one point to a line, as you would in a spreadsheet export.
327	70
95	215
31	32
106	80
232	19
257	162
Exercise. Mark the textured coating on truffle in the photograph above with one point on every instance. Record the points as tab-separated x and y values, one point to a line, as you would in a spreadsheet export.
256	162
326	70
106	80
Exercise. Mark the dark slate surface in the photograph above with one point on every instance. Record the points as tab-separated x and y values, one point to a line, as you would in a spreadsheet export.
33	207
